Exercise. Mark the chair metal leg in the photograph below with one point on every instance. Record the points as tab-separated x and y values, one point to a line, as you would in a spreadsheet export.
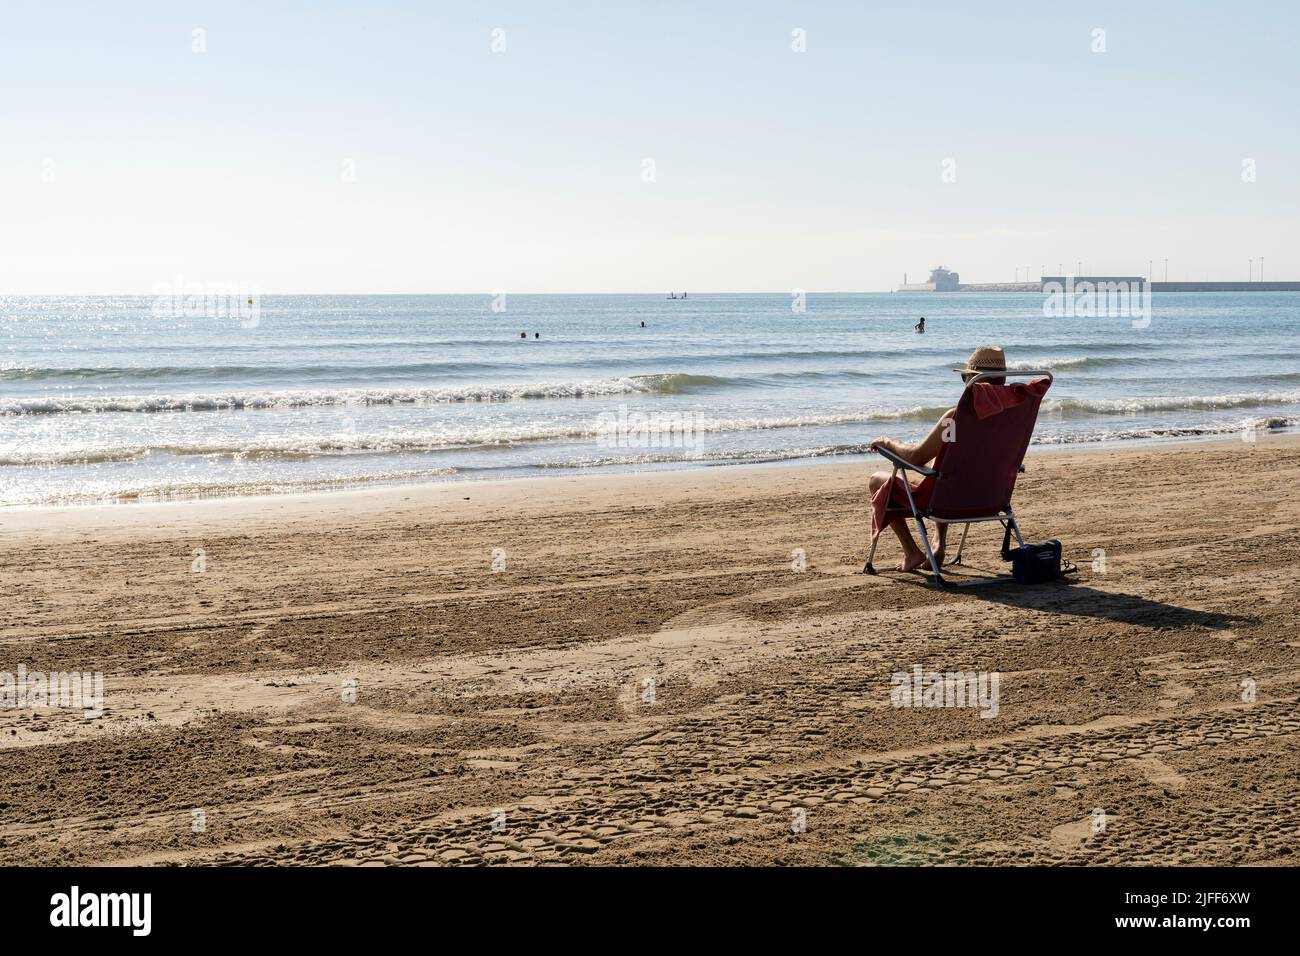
925	538
929	554
1015	528
1010	524
961	544
869	568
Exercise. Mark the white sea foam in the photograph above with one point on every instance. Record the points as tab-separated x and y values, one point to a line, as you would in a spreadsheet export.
1050	364
299	398
1162	403
480	436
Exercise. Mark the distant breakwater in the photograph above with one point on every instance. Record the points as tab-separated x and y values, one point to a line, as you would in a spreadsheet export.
1155	286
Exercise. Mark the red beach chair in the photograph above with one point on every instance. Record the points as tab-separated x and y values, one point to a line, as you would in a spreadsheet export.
974	474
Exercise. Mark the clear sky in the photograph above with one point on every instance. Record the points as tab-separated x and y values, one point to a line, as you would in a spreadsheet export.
385	146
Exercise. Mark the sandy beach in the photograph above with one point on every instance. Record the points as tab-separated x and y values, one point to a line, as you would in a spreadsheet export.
639	675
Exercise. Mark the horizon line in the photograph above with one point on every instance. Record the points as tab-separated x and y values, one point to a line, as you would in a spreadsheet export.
488	294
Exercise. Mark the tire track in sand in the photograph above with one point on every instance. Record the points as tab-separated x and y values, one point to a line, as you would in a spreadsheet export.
553	828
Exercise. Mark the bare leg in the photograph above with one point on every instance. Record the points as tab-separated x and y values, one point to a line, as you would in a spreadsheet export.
913	557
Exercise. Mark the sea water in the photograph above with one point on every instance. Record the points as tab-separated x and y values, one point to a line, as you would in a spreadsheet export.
115	399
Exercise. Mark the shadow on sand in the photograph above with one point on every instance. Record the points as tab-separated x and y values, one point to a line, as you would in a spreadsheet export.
1069	596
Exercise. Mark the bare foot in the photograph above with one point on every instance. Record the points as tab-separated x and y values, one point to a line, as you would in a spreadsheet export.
912	561
917	559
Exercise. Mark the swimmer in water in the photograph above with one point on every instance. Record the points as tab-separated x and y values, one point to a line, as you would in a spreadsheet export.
920	326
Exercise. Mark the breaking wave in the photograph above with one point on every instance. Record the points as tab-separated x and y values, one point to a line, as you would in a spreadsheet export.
666	384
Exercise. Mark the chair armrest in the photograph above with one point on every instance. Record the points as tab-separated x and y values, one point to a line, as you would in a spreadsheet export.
907	465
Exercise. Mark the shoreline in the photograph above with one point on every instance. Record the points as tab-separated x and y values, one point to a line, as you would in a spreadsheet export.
350	487
499	492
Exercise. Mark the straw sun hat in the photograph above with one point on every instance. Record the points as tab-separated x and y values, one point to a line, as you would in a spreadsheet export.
986	358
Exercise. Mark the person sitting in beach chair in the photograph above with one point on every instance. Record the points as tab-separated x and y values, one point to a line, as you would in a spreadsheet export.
967	464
